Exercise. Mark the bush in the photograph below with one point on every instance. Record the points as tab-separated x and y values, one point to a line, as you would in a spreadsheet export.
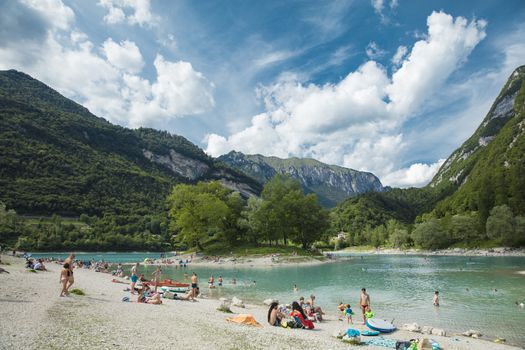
77	291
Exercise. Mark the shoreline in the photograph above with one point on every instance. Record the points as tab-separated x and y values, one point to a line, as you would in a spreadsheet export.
100	320
490	252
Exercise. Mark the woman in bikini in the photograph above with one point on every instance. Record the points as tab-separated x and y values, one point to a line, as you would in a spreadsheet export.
64	278
71	279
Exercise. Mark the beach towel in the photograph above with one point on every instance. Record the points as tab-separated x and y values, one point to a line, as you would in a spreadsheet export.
246	319
380	341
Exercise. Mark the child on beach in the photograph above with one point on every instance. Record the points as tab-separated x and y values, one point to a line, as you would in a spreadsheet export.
134	278
368	313
348	313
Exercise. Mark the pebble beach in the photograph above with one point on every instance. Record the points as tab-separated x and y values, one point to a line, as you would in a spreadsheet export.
33	316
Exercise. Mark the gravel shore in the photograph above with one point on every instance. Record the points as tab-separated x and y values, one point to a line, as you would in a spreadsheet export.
502	251
33	316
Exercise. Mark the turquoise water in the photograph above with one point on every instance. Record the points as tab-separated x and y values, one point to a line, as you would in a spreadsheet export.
401	288
111	257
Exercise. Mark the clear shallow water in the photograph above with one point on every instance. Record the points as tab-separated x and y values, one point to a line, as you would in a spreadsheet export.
111	257
401	288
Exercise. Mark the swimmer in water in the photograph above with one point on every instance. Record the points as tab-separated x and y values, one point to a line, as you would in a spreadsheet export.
435	300
295	289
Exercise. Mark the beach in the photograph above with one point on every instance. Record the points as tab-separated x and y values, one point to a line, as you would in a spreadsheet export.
35	317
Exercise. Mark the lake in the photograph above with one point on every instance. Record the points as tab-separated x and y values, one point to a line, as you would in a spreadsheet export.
112	257
475	292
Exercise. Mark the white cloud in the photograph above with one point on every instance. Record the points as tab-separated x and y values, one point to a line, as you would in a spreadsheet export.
273	57
132	11
416	175
115	15
378	5
356	122
58	15
431	61
105	79
125	56
399	55
373	51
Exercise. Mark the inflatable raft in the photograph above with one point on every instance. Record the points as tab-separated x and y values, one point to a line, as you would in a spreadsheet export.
170	283
380	325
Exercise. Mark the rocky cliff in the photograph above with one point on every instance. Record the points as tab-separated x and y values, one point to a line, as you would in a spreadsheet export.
331	183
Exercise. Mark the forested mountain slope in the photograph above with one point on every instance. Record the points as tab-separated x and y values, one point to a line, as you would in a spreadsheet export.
485	172
58	158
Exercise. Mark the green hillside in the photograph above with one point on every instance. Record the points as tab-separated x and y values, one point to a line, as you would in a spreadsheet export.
58	158
480	183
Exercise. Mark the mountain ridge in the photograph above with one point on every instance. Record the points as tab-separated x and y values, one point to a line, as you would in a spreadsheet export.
331	183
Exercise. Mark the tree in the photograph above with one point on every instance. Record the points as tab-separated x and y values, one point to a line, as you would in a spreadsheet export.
200	212
500	225
430	235
399	238
463	228
309	219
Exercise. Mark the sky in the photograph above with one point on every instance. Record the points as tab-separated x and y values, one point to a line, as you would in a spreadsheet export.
386	86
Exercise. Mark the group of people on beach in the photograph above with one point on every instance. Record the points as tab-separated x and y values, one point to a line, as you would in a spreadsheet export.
301	314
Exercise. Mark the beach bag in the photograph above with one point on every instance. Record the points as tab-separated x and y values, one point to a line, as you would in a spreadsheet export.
403	345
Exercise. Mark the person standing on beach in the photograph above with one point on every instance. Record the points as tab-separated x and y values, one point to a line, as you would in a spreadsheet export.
194	285
364	302
64	278
71	278
134	278
156	277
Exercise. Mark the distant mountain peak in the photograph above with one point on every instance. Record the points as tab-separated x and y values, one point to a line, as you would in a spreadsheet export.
331	183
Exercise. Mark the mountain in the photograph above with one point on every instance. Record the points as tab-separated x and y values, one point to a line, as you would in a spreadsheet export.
58	158
331	183
484	172
487	170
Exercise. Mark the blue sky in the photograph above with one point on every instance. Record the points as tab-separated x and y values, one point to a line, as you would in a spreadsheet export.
389	86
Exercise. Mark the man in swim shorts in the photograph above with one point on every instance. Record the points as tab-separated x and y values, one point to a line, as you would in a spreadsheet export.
364	302
194	285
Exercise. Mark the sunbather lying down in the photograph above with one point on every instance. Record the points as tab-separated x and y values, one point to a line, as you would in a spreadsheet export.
189	295
145	296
